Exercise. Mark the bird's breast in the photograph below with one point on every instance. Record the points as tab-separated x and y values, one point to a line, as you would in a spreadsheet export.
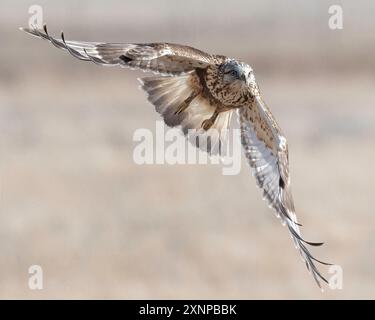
230	95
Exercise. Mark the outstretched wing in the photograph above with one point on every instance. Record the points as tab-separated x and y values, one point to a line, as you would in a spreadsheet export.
164	58
267	152
175	91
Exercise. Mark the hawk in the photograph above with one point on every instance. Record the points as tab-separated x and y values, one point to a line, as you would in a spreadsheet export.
195	90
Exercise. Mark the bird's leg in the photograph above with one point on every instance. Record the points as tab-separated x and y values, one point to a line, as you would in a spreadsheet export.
208	123
182	107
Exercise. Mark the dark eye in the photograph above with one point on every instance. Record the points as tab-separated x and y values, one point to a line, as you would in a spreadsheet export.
234	73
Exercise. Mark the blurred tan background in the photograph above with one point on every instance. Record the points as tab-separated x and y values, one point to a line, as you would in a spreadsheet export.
73	201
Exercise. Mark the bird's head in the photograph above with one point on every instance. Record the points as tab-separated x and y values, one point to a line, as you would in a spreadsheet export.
237	73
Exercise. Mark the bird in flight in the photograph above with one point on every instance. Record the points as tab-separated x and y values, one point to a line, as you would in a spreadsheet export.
194	90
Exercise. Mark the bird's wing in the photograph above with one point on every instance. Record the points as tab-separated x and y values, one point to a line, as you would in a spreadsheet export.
179	101
176	89
162	58
266	150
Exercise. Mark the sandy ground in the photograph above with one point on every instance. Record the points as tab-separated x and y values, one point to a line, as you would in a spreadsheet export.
73	201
